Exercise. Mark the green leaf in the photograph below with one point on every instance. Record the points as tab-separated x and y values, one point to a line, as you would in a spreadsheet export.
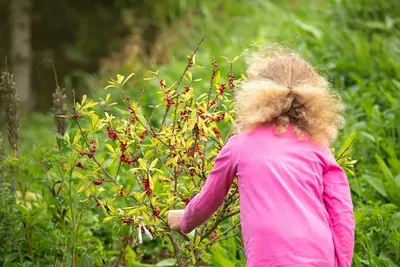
377	184
217	77
127	78
167	262
90	104
197	241
120	78
110	147
84	97
83	187
384	168
397	179
142	164
110	86
190	76
109	218
153	164
219	258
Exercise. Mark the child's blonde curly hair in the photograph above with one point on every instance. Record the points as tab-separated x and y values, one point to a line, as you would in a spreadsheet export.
282	88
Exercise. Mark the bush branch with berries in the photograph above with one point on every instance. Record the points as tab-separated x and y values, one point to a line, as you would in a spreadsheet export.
137	168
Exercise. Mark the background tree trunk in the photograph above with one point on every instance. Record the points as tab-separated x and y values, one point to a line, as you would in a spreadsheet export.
20	49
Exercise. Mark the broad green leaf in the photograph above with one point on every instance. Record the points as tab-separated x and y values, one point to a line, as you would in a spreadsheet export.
384	168
377	184
166	262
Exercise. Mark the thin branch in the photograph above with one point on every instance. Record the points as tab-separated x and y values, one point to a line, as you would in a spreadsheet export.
94	158
54	70
180	80
218	238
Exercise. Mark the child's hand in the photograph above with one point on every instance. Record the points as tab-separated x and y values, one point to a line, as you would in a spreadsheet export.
174	218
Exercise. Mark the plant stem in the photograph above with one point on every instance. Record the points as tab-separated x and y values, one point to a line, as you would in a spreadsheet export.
76	234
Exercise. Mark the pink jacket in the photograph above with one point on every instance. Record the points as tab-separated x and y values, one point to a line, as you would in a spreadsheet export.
295	202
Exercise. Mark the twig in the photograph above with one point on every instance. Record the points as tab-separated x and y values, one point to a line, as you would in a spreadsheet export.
76	234
94	158
218	238
180	80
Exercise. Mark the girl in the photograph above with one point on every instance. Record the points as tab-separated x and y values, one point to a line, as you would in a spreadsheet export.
295	203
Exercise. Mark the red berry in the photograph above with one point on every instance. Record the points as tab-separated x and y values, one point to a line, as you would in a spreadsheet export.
186	200
213	235
97	203
217	132
123	146
162	83
126	220
97	182
125	159
156	213
112	134
75	116
80	165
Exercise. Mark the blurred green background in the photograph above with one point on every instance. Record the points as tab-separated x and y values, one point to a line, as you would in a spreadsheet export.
356	43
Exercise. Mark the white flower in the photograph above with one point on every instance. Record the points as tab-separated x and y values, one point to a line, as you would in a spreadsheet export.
140	234
147	232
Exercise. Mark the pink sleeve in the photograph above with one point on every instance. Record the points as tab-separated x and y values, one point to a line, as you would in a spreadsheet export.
337	198
212	195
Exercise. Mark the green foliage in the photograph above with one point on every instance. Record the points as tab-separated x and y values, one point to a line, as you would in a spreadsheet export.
377	235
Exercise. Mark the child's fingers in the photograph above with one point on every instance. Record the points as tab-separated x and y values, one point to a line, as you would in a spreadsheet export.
174	217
